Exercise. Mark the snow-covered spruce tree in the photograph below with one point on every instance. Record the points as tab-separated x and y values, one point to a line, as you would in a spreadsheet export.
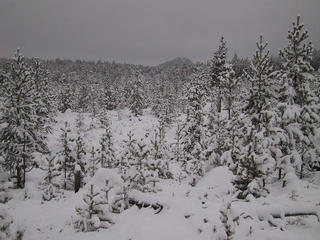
50	181
229	84
66	98
218	135
259	148
106	189
135	167
66	160
148	172
80	152
93	162
177	146
129	151
299	106
91	215
158	158
107	158
42	97
194	131
136	98
20	135
295	61
163	103
109	97
217	71
83	97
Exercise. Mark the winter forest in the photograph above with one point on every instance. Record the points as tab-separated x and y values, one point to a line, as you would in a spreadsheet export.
222	149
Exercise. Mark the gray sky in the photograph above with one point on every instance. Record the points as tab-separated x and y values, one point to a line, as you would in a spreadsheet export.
148	31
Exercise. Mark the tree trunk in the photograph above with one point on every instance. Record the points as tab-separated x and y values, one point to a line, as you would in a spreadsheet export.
279	176
219	102
18	176
77	181
301	171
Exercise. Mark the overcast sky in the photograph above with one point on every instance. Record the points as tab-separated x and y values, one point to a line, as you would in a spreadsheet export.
148	31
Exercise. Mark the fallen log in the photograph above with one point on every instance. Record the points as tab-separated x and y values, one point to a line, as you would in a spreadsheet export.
140	204
296	214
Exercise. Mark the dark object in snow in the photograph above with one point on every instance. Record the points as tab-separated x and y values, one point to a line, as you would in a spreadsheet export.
155	206
77	181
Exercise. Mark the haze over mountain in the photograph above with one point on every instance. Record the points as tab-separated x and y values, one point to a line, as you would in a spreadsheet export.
177	62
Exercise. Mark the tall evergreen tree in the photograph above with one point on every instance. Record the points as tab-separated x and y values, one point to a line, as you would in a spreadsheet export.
136	98
66	160
107	158
299	106
20	135
195	133
229	85
217	71
259	146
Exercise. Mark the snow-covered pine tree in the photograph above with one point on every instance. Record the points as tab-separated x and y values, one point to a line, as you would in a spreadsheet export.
163	102
218	135
42	97
142	176
80	152
135	168
91	215
229	85
177	146
20	135
93	162
66	161
136	98
107	158
50	180
299	105
129	150
109	101
83	97
195	132
106	189
295	61
259	148
216	71
158	158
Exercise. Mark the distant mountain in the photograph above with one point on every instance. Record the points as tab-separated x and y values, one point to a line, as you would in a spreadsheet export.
179	61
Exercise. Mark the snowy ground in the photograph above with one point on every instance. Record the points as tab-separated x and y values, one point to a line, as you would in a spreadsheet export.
188	213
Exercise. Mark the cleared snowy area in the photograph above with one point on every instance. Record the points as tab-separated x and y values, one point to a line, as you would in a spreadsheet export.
188	212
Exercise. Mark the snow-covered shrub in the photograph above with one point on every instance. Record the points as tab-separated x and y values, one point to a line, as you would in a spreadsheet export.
92	213
120	201
227	231
8	229
5	196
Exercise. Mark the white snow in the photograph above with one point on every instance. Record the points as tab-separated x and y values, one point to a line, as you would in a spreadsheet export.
188	212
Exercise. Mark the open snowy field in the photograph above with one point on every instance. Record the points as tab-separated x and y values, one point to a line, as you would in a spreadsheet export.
186	212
